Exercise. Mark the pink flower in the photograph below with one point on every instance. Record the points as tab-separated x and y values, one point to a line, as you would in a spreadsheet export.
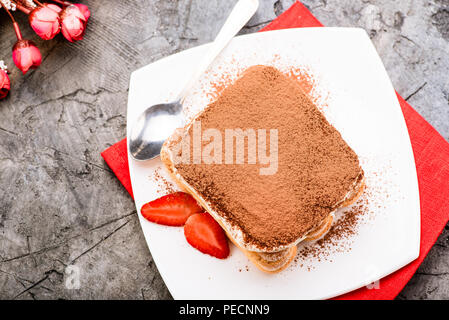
45	21
84	10
26	55
73	23
5	84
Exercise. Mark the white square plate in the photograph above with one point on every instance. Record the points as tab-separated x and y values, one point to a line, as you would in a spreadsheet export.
360	103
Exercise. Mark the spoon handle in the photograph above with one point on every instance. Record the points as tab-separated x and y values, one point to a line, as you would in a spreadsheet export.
242	12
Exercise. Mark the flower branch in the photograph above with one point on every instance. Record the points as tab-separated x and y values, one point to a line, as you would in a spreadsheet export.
46	20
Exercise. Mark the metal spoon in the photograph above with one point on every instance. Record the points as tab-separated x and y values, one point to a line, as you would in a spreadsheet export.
158	122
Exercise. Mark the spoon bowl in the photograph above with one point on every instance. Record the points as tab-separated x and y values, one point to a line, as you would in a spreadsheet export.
153	127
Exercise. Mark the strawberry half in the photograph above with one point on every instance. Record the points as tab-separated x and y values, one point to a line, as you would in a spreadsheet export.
171	210
206	235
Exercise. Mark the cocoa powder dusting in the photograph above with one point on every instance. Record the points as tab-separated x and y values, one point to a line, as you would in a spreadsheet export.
344	230
301	75
163	185
316	168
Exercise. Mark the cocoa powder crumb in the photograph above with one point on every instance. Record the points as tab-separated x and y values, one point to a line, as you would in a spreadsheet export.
163	185
336	240
344	228
343	231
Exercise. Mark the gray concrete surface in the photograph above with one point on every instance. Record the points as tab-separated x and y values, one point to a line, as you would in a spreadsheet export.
60	205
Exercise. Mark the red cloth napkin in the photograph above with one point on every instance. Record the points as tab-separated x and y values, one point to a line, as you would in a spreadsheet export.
431	153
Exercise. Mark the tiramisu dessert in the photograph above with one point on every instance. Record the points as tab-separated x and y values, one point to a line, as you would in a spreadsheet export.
284	185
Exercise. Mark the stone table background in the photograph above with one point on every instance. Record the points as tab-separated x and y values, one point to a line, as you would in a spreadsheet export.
60	204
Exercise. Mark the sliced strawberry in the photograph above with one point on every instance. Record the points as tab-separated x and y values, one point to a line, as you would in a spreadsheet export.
206	235
171	210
